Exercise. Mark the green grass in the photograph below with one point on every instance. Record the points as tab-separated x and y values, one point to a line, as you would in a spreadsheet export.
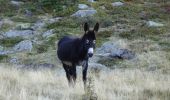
9	42
24	19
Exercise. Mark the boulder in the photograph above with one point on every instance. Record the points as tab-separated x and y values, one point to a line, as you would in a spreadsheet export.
84	13
83	6
115	4
113	50
19	33
25	45
17	3
154	24
48	33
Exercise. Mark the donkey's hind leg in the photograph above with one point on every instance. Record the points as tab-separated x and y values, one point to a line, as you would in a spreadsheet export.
66	68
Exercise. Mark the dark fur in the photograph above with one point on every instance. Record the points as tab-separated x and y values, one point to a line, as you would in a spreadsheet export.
75	50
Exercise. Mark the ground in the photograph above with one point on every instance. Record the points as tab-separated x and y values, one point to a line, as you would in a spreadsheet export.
146	76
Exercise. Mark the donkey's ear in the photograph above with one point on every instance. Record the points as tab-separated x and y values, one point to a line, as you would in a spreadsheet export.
86	27
96	27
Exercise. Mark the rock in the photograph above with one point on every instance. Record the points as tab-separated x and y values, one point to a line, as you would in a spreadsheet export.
48	33
38	25
1	48
28	13
24	26
6	52
82	6
14	60
84	13
154	24
115	4
19	33
91	1
53	20
25	45
122	54
112	50
17	3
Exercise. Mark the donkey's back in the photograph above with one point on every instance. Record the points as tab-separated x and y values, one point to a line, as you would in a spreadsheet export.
67	48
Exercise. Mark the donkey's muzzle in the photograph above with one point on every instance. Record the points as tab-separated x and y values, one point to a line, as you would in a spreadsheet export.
90	54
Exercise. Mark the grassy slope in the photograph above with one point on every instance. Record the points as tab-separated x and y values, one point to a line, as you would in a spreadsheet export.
145	77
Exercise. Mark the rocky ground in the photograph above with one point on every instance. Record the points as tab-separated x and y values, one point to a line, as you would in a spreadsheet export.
133	43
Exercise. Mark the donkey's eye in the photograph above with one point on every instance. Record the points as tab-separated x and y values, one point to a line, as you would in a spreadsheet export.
87	41
94	41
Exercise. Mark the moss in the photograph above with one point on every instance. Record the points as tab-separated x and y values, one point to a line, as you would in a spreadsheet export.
102	37
3	57
24	19
9	42
143	32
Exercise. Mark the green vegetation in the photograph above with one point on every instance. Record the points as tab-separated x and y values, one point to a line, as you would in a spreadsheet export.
9	42
3	57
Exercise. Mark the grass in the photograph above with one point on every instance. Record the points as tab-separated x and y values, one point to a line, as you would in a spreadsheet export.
9	42
49	84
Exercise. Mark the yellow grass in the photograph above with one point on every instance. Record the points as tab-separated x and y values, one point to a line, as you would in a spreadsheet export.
17	84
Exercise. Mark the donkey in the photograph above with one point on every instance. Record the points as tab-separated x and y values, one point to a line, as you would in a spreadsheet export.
77	51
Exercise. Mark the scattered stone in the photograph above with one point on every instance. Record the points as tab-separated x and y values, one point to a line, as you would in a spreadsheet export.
6	52
53	20
112	50
25	45
14	60
122	54
154	24
19	33
17	3
23	26
91	1
38	25
28	13
116	4
48	33
84	13
82	6
1	48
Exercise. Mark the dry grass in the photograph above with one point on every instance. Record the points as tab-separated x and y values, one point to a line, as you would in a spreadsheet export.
52	85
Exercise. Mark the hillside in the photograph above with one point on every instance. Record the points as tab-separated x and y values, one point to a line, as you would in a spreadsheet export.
132	56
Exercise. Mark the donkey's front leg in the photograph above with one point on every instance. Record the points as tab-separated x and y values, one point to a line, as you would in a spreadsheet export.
85	67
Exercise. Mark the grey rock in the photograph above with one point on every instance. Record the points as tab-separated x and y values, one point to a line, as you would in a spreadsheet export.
112	50
154	24
115	4
82	6
28	13
38	25
48	33
23	26
84	13
122	54
53	20
14	60
19	33
6	52
91	1
17	3
1	48
25	45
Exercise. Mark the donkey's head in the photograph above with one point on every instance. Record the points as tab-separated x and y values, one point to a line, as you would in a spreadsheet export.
89	38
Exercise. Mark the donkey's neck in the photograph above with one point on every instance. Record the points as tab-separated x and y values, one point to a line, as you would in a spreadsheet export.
82	51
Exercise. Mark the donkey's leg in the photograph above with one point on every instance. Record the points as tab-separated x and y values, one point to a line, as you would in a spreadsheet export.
66	68
85	67
74	74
